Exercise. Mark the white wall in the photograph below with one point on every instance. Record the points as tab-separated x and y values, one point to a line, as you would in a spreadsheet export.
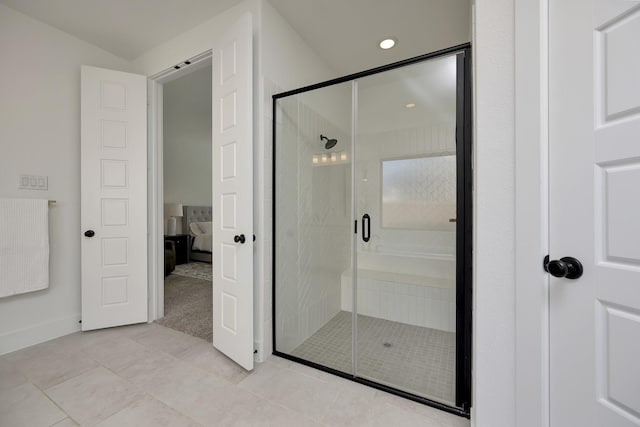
40	134
187	139
494	228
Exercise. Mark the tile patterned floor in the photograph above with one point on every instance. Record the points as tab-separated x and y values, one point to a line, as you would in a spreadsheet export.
149	375
412	358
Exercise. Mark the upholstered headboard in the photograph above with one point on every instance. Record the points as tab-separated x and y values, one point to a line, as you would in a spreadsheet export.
194	214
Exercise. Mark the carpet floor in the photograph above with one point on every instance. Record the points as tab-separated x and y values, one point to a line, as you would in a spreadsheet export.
197	270
188	306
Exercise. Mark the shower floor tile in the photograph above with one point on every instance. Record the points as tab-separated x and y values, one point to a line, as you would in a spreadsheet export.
407	357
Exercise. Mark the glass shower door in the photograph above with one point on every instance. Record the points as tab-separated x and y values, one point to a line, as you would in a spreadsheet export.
313	226
405	247
372	228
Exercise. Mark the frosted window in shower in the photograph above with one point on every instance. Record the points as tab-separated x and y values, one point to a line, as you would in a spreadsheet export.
419	193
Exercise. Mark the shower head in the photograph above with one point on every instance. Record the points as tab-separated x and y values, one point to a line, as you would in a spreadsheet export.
330	142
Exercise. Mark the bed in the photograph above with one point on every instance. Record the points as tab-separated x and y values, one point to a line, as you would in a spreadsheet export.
196	222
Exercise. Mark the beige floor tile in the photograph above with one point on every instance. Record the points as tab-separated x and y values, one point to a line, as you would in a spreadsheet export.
94	396
82	340
352	404
251	410
117	352
306	394
278	361
437	416
25	405
357	404
148	412
145	366
205	357
178	384
53	365
212	401
9	376
226	404
165	339
67	422
34	351
384	415
262	375
154	376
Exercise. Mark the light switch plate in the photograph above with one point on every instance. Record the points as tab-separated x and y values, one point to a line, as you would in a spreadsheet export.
33	182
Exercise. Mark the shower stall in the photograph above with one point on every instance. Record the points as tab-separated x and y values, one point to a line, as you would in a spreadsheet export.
372	227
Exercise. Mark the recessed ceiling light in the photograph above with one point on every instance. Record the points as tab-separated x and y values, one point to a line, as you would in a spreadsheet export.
410	105
387	43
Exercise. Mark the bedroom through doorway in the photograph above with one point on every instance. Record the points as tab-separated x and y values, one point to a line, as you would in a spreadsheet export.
187	195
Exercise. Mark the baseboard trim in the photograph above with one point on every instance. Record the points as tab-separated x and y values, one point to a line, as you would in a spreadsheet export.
36	334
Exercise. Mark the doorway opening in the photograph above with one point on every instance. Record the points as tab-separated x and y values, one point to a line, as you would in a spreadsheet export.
184	144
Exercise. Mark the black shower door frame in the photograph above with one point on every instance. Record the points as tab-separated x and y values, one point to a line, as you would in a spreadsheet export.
464	228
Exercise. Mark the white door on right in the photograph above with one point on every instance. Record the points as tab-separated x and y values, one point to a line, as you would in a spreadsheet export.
233	193
594	181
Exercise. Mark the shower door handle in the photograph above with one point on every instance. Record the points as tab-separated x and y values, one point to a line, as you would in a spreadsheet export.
366	233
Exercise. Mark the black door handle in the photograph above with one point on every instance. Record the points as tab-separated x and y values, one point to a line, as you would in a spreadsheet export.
89	233
239	238
567	267
366	234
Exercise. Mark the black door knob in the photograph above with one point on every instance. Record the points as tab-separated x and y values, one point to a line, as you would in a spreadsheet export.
567	267
89	233
239	238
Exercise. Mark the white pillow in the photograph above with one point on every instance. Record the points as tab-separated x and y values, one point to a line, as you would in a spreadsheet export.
195	229
199	228
206	227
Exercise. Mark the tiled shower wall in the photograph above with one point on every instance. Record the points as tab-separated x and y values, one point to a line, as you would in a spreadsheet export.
312	220
429	305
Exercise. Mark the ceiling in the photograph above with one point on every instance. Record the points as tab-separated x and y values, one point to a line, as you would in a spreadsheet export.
343	33
346	33
126	28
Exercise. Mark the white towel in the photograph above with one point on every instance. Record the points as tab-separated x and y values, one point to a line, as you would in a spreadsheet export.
24	246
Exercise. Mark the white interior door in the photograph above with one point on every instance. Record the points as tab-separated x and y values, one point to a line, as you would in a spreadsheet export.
594	78
233	193
114	198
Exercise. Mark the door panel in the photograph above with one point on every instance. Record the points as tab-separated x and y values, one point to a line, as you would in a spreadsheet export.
114	195
233	193
594	210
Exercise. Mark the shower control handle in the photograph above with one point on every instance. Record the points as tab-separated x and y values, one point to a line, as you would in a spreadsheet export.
366	234
239	238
